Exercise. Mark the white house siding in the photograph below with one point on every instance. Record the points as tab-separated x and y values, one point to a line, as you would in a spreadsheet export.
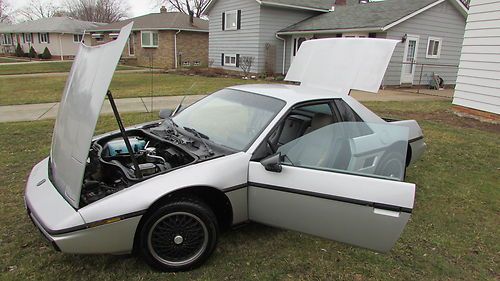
57	42
271	21
244	41
443	21
478	84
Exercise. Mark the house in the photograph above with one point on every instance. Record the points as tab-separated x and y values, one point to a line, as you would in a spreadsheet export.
431	32
3	46
161	40
478	85
61	35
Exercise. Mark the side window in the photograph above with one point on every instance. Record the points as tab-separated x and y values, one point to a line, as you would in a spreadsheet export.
304	120
346	112
338	147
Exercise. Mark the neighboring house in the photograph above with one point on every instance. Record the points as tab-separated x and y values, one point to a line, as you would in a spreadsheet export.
478	83
165	39
61	35
432	31
5	41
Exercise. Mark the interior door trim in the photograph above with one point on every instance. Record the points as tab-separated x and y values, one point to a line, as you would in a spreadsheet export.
332	197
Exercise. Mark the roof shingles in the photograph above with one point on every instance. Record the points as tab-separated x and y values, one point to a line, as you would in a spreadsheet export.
171	20
374	15
312	4
51	25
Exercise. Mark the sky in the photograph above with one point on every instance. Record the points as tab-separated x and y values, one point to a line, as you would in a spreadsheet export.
137	7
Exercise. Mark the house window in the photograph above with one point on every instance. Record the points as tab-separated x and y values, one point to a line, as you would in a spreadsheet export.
77	38
297	42
230	60
231	20
113	36
27	38
186	63
434	47
44	37
196	63
98	37
6	39
149	39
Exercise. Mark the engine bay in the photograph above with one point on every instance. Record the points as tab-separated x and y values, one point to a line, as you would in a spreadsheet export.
110	167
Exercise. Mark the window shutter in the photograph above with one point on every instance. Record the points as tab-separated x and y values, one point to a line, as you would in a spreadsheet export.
237	60
294	47
222	60
48	38
223	21
39	41
238	20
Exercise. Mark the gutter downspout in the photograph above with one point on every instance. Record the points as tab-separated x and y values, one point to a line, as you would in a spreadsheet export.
175	48
284	52
60	46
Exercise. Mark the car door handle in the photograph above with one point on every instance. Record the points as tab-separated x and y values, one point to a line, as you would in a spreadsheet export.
386	213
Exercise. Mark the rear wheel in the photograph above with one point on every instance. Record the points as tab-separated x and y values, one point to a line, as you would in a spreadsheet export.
179	236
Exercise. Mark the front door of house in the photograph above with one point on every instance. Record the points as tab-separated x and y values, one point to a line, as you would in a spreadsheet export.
409	59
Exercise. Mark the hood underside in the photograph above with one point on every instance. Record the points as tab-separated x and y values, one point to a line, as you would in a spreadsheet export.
81	103
342	63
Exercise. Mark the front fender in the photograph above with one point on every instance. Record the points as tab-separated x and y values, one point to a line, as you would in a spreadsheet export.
221	173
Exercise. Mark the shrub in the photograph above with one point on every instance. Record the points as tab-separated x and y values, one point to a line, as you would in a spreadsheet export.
32	53
40	56
246	65
19	51
46	55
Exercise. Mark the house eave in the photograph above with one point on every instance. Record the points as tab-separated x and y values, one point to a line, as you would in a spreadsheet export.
328	31
279	5
151	29
271	4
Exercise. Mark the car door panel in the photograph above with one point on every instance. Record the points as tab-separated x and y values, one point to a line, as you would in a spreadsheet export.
359	210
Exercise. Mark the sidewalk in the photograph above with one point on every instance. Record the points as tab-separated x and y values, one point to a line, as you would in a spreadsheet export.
33	112
44	74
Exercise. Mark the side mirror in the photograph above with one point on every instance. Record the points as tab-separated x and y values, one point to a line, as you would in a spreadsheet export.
165	113
272	163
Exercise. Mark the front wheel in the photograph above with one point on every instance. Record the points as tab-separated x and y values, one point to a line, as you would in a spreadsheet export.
179	236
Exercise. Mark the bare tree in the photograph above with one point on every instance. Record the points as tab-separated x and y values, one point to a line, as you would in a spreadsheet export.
185	6
4	11
246	64
37	9
97	10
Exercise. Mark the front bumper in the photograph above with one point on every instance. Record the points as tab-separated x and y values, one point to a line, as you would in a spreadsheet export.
65	228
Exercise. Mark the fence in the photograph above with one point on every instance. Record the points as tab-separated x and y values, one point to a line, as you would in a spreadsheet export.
423	76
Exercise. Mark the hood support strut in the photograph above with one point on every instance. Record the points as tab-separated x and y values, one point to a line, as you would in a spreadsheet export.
137	170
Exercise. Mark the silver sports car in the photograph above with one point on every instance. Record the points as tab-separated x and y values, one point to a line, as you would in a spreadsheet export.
305	156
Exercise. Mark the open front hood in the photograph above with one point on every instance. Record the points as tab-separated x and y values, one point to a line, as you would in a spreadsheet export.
81	103
342	63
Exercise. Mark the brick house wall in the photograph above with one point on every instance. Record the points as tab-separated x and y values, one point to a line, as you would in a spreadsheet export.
193	47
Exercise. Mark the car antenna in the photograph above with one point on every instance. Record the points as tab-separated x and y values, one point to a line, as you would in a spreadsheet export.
138	173
179	107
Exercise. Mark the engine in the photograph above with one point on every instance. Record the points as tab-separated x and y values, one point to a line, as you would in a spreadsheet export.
110	168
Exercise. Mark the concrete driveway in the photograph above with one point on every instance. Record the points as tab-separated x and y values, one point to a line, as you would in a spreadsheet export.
33	112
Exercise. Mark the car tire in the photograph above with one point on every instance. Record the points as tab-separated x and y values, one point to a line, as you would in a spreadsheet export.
178	236
392	165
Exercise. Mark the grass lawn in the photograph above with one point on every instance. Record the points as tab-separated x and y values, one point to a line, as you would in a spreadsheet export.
453	233
43	67
25	90
10	60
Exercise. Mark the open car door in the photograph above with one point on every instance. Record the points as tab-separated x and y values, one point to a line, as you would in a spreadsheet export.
341	182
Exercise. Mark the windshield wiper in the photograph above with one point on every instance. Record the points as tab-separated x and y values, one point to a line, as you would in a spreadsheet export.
202	138
173	125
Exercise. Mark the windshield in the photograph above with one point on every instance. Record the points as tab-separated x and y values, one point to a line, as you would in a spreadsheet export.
229	117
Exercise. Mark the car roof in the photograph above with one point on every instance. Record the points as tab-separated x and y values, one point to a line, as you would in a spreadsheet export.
291	93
